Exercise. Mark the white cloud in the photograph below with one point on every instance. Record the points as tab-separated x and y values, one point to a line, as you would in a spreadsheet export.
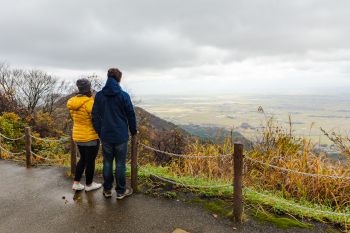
185	46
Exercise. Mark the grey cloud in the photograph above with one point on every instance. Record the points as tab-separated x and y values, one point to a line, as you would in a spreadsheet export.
159	34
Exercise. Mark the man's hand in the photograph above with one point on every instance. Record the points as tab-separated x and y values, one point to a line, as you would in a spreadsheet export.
135	134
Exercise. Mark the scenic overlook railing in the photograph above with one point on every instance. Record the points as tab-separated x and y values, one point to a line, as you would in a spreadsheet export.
28	147
184	156
237	180
297	172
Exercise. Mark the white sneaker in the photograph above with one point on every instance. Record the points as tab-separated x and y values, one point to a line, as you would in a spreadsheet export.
78	187
92	186
127	193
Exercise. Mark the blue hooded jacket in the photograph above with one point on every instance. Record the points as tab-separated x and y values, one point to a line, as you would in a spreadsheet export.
113	114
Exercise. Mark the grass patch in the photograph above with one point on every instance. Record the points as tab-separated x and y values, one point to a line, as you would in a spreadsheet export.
169	194
99	169
304	209
331	230
148	170
278	204
218	206
281	222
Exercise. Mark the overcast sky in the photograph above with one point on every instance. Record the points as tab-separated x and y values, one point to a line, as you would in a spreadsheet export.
185	46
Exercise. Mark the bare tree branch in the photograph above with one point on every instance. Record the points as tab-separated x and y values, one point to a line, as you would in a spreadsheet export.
33	86
8	80
51	98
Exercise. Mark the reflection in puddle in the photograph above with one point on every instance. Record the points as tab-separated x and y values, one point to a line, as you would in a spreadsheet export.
79	197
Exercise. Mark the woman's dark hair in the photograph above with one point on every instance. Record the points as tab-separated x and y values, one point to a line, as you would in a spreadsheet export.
115	73
84	86
88	94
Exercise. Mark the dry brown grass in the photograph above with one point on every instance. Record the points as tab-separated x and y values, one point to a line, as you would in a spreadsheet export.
280	148
276	146
212	168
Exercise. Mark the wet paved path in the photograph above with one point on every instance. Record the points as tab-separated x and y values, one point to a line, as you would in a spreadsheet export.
31	200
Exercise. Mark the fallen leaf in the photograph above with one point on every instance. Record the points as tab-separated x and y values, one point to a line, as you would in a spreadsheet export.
178	230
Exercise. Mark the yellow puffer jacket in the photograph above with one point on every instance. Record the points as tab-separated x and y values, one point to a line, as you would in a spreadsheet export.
80	108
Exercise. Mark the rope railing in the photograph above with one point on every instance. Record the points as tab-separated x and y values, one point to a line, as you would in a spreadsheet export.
175	155
12	139
37	138
237	178
188	185
250	159
48	165
295	171
28	145
185	156
44	158
17	160
10	152
50	140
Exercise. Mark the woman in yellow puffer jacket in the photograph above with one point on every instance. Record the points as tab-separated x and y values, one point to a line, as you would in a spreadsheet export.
80	108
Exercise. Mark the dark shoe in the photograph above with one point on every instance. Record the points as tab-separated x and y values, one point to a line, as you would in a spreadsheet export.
107	193
127	192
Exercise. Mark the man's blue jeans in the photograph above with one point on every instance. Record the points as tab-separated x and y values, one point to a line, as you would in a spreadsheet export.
118	152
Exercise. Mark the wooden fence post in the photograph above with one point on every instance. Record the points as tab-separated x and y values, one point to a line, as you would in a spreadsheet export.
28	146
73	156
237	182
134	163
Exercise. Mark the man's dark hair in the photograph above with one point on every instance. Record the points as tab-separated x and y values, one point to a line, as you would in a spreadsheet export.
115	73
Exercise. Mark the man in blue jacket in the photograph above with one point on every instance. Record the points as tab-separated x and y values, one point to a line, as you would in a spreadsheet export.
112	116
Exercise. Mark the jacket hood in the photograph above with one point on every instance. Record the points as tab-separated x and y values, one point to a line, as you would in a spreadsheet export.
111	88
76	102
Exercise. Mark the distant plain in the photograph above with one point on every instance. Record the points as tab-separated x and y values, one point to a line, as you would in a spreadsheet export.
308	112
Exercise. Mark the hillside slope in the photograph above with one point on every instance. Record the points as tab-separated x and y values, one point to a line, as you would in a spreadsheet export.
210	134
158	123
215	134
